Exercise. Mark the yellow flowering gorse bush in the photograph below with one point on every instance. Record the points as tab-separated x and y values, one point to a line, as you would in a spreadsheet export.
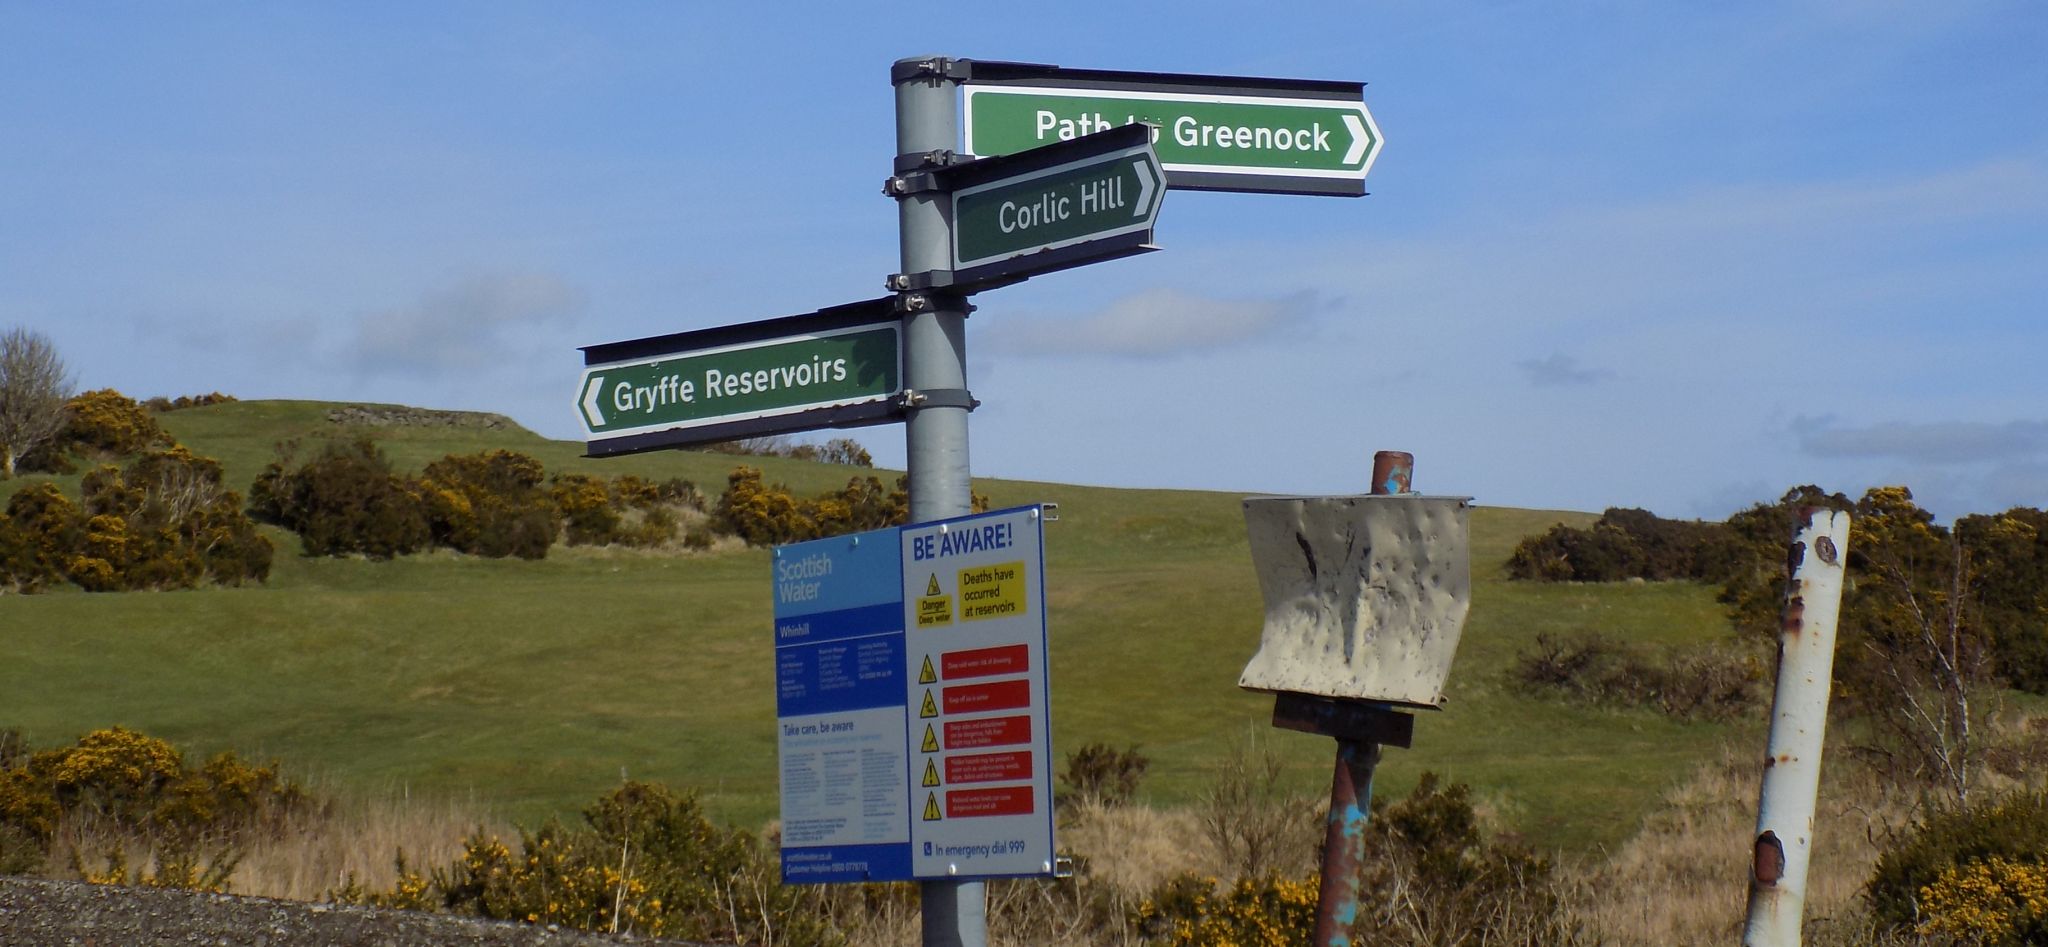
1994	901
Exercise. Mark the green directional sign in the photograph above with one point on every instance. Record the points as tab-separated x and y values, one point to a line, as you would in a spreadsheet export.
1057	206
828	377
1271	142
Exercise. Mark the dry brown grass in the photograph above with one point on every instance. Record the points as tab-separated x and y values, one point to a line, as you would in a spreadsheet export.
318	851
1684	878
312	852
1133	849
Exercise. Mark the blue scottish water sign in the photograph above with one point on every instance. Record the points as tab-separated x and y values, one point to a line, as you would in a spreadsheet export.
840	689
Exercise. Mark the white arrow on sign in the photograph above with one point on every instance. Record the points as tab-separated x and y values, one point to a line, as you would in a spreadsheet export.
1145	187
591	415
1358	139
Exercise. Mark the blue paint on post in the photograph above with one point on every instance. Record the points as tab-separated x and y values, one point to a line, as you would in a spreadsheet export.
1344	842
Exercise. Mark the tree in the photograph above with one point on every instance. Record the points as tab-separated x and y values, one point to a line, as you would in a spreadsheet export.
33	388
1918	656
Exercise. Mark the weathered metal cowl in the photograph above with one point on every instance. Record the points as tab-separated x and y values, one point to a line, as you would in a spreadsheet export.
1366	596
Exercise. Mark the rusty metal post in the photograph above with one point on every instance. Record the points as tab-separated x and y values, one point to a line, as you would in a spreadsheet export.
1351	781
1799	715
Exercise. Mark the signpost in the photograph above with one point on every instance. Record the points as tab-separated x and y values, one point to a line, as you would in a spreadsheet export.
1214	132
911	695
1061	205
911	702
839	367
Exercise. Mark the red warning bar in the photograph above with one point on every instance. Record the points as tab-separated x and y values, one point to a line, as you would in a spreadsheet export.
996	731
989	767
986	662
997	695
970	803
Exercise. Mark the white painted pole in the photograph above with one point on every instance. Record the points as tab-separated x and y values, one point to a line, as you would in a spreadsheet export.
1799	716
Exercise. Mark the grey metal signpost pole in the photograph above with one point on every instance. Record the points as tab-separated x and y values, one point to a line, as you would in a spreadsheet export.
954	913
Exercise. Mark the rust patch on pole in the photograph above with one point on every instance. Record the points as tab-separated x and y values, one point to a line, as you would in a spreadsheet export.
1769	864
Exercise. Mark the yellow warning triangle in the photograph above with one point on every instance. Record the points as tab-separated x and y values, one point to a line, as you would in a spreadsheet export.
927	675
931	740
931	773
931	807
931	586
930	708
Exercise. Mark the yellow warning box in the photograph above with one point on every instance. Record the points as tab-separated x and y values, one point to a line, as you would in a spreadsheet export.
930	707
931	773
935	608
931	808
993	591
926	675
931	740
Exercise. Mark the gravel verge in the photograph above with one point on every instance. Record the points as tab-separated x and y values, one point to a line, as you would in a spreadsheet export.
72	914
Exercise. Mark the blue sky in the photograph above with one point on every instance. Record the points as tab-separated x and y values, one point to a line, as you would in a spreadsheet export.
1679	256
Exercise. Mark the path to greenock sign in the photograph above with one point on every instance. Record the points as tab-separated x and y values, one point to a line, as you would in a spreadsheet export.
1315	140
834	368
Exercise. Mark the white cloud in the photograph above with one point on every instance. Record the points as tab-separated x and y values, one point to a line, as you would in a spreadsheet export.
1936	443
1559	371
1156	323
471	322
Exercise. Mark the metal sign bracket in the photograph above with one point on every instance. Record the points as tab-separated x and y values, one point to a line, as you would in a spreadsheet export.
914	400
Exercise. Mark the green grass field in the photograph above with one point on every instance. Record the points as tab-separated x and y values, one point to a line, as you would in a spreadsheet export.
533	685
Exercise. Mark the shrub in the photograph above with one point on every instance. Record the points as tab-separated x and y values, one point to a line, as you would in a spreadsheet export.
646	860
166	521
1257	824
28	811
863	505
839	450
1190	911
163	405
1947	843
1714	683
1626	544
489	504
629	510
1994	901
106	423
37	535
122	784
1434	877
163	522
1104	775
346	500
845	450
588	514
116	774
2009	552
766	515
762	514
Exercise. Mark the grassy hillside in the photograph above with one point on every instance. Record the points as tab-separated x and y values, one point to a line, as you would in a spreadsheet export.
532	685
